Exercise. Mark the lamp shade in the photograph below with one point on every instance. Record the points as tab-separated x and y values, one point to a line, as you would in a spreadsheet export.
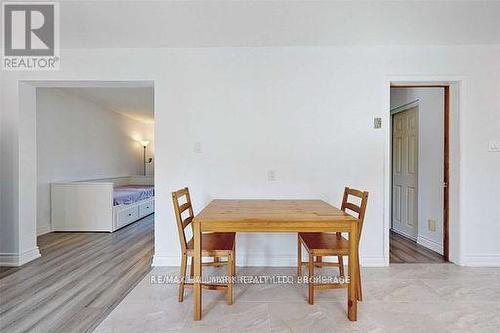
144	143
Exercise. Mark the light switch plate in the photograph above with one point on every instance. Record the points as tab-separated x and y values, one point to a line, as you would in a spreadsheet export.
494	146
271	175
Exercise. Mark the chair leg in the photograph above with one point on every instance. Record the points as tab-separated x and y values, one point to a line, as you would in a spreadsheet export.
191	269
318	261
182	276
230	267
299	256
234	260
310	279
360	291
340	260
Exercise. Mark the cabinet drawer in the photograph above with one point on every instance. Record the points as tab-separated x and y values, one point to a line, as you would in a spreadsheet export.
127	216
146	208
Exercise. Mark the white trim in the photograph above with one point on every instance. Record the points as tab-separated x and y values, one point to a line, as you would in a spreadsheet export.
404	107
404	234
458	89
78	83
481	260
267	261
43	230
430	244
163	261
387	183
372	261
15	259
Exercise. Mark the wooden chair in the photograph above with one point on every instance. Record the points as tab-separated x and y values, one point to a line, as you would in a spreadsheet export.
321	244
213	245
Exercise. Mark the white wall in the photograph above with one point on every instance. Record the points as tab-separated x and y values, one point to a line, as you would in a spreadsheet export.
306	112
193	23
431	159
77	139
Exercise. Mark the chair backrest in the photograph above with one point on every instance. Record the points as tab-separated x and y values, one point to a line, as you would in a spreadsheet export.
179	208
359	209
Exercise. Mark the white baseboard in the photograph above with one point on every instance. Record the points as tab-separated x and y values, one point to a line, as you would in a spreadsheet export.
163	261
43	230
275	261
404	234
481	260
15	259
267	261
373	261
430	244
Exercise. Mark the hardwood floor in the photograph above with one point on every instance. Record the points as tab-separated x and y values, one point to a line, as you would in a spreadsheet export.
78	280
404	250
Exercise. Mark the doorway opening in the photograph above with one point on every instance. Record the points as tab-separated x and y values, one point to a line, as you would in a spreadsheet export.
419	221
60	140
94	142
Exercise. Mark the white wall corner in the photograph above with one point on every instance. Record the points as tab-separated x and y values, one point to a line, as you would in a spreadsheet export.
430	244
15	259
404	234
42	230
481	260
373	261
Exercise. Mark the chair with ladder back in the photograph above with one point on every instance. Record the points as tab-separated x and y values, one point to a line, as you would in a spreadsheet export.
322	244
214	245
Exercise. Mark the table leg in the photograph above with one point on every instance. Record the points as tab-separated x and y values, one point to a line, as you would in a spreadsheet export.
352	298
197	270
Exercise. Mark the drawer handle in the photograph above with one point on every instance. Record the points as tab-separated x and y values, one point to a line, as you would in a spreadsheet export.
129	214
147	207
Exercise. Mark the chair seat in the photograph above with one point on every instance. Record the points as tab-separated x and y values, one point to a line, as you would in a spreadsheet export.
214	243
322	243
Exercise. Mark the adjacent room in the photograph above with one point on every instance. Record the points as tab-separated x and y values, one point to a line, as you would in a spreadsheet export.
93	143
420	173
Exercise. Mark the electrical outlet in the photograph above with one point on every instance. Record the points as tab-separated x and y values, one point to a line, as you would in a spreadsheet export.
197	147
431	225
271	175
377	122
494	146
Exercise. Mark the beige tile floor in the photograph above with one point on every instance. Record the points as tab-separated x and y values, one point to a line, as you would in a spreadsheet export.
400	298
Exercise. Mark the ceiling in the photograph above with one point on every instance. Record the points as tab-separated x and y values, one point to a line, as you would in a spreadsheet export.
133	102
159	24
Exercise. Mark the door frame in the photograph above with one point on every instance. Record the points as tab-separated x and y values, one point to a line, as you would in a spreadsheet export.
454	106
27	159
446	157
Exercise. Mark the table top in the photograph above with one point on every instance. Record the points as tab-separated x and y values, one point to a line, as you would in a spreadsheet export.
222	210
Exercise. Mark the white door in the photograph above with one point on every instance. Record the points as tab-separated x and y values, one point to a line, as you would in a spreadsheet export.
405	173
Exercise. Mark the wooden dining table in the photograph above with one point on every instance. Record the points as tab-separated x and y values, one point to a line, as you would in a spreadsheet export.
275	216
